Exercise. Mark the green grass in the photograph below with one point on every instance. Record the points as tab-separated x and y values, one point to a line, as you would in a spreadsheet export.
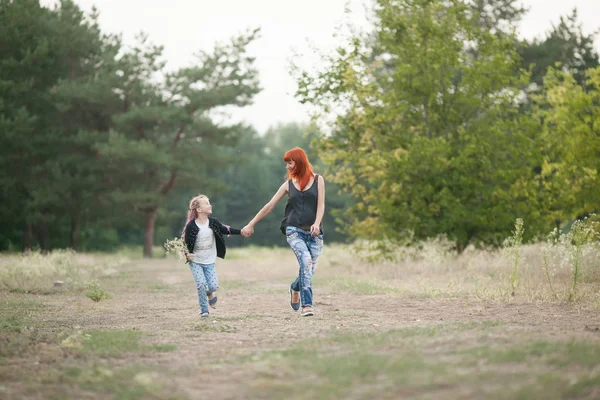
11	324
557	354
423	361
118	343
107	381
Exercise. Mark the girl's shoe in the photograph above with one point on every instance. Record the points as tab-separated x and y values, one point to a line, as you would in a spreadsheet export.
295	306
308	312
204	314
213	302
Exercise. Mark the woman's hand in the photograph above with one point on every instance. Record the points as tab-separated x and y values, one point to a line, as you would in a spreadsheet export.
247	230
315	230
189	257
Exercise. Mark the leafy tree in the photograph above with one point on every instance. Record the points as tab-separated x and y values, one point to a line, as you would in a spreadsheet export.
570	114
565	44
165	134
434	145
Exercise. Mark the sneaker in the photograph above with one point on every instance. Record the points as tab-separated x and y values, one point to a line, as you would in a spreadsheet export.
307	313
204	314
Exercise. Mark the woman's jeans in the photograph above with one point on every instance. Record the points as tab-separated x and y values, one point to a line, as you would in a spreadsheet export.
307	249
207	282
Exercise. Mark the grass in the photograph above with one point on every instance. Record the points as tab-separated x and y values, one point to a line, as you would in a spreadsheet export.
56	272
134	382
423	362
360	351
117	343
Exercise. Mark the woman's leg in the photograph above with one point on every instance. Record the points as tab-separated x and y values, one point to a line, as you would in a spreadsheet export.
297	240
201	285
315	247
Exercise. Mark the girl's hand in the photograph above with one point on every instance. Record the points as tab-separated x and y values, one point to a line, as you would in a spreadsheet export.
189	257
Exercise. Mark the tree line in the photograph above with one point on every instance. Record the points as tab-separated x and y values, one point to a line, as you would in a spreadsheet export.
451	125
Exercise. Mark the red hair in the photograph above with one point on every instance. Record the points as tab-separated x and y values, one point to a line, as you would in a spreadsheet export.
302	171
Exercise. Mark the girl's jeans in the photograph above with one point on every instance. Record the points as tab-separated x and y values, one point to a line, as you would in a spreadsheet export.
207	282
307	249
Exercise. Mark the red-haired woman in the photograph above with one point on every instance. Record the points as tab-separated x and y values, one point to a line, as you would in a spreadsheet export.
302	223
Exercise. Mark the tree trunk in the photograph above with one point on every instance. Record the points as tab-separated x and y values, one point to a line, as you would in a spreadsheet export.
44	237
149	232
75	232
27	237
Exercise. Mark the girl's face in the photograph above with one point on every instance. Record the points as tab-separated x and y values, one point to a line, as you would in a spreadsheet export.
289	165
204	207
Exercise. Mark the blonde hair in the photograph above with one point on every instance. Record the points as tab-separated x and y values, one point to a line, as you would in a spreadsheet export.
192	213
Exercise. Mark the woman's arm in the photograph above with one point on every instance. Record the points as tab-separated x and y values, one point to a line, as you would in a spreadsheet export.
283	189
315	229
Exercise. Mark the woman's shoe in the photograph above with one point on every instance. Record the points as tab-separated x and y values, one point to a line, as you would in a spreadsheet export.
295	306
204	314
213	302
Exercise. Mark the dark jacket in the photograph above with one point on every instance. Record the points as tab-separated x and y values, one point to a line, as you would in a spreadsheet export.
191	232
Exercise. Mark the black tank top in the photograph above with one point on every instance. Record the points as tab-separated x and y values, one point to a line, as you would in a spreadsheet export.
301	207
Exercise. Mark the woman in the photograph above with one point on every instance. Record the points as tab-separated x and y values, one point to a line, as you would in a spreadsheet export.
302	223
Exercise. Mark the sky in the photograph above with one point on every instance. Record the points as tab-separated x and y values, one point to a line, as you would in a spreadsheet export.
290	31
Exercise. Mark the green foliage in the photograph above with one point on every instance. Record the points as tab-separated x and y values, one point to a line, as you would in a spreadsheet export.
566	44
432	141
570	117
96	293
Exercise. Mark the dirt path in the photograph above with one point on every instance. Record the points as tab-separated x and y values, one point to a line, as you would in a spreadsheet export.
240	351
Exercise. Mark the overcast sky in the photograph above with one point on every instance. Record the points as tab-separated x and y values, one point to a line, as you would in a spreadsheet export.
288	28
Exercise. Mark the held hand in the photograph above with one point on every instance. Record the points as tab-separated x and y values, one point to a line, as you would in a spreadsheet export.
189	257
247	231
315	230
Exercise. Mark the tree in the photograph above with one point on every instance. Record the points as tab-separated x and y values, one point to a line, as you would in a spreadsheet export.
164	134
565	44
570	115
435	144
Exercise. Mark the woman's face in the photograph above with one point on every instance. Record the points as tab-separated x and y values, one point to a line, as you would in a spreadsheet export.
204	207
290	165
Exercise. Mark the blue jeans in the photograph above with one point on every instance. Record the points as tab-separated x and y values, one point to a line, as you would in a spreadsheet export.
307	249
207	282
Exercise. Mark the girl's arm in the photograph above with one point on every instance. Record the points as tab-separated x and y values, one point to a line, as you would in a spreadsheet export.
187	239
283	189
227	230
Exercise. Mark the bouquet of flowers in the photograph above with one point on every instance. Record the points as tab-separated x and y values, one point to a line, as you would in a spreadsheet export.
176	246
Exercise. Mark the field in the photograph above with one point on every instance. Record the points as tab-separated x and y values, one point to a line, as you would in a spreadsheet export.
429	325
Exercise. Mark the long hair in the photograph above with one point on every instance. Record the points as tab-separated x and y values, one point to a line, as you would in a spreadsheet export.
192	214
302	171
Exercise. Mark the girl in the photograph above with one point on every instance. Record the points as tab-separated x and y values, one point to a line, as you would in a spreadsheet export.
203	236
301	223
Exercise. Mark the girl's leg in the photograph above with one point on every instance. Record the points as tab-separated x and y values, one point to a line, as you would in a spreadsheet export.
212	281
303	283
201	285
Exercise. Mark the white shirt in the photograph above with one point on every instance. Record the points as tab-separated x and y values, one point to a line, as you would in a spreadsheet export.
205	248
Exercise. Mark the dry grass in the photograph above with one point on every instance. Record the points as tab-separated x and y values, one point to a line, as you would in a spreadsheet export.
58	271
432	270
